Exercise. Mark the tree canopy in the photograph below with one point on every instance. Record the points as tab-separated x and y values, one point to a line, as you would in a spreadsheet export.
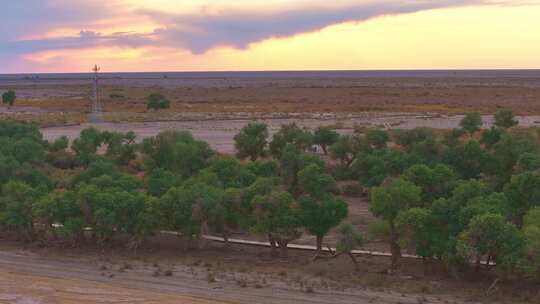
9	97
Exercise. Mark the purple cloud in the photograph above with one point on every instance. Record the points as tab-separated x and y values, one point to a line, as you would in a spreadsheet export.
202	32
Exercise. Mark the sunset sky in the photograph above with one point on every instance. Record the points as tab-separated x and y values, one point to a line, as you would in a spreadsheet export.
209	35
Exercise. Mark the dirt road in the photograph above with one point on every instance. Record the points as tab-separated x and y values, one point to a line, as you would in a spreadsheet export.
29	278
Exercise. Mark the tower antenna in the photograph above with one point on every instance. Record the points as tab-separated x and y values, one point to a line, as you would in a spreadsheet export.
96	108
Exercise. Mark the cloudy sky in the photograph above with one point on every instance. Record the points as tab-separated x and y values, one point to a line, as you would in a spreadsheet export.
194	35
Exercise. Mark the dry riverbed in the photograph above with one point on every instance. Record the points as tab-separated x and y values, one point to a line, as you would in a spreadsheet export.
219	131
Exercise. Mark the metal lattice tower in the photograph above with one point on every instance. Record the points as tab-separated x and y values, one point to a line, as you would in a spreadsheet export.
96	114
95	106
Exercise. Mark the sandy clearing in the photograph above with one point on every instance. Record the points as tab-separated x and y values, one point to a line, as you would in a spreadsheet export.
219	133
19	288
30	278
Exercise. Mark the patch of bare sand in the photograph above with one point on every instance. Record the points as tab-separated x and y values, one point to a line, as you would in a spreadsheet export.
30	277
18	288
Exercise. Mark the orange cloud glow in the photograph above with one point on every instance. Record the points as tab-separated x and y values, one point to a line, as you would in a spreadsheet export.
466	36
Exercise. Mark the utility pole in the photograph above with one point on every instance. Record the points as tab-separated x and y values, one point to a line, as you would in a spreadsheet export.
95	116
95	107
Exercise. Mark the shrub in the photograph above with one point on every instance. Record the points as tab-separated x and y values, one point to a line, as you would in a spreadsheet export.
156	101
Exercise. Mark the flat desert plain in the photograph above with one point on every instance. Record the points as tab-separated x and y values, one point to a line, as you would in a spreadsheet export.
214	108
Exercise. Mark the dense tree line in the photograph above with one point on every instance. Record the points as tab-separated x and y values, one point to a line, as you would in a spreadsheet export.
456	198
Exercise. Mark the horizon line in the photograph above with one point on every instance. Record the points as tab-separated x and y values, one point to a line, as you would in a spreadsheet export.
287	70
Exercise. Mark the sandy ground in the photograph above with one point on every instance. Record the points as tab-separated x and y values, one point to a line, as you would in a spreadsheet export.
293	94
18	287
219	132
286	94
27	277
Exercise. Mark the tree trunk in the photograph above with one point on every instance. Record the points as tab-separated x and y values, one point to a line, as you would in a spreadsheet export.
325	150
353	259
283	249
394	247
477	267
319	244
425	264
396	254
204	228
272	242
226	239
53	231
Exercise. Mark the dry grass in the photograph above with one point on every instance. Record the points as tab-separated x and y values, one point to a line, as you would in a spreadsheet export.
451	95
49	119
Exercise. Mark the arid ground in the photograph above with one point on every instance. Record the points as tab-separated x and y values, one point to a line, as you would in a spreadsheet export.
213	275
61	101
214	109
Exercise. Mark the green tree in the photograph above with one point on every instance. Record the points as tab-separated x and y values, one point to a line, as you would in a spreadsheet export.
346	148
292	161
176	208
453	137
493	203
374	167
61	207
279	216
471	122
418	231
159	181
531	230
409	138
523	193
315	182
96	169
208	208
468	159
435	182
321	215
177	152
290	134
427	152
505	119
377	138
20	130
148	222
507	153
60	144
156	101
121	147
387	201
16	205
261	187
87	144
229	212
111	207
321	211
489	237
260	168
348	240
528	162
252	141
491	136
452	215
9	97
231	173
325	137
